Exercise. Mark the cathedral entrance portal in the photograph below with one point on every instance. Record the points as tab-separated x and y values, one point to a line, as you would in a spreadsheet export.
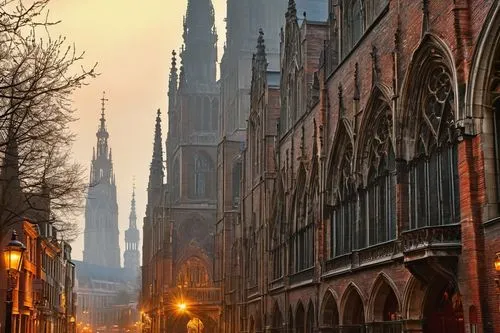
444	311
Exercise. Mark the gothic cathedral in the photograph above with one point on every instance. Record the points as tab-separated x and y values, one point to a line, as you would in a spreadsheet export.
101	210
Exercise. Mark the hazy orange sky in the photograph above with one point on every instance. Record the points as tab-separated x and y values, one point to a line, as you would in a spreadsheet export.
132	41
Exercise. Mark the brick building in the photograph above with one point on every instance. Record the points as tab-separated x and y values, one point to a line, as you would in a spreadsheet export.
43	298
374	207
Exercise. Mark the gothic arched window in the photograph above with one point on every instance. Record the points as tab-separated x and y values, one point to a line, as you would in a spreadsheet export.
303	228
378	199
434	189
202	170
278	240
344	211
177	179
352	24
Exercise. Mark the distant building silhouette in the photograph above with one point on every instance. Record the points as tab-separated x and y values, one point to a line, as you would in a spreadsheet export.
101	210
131	254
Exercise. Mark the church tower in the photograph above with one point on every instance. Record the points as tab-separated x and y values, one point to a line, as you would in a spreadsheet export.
101	210
131	255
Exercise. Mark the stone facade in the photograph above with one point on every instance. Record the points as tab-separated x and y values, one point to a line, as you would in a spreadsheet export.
180	215
375	206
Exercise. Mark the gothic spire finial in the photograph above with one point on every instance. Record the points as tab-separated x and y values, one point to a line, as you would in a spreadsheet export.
103	108
292	9
261	47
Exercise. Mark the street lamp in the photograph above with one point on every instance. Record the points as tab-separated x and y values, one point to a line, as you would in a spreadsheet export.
13	257
182	307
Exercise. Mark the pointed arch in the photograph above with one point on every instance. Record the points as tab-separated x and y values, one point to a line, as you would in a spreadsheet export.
277	318
329	315
310	318
384	302
431	69
341	191
342	141
376	128
429	136
290	323
302	237
300	318
478	95
353	306
376	165
278	230
482	105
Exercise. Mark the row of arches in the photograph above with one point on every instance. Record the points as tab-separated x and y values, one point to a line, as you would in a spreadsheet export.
424	308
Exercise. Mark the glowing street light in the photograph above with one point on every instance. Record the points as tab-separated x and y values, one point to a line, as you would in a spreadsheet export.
13	257
182	307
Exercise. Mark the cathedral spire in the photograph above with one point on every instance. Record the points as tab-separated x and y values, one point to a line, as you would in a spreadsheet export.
156	168
102	134
172	85
131	254
133	215
261	48
10	167
292	10
200	41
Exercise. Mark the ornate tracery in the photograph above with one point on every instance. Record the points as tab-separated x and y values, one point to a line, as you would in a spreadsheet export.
433	167
378	197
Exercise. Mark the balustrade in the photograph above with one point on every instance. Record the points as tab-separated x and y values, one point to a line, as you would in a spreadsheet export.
431	236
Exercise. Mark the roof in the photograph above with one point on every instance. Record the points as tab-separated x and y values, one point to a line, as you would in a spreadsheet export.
316	10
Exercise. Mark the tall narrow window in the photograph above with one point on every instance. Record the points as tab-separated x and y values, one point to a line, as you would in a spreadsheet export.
202	170
352	24
433	171
344	213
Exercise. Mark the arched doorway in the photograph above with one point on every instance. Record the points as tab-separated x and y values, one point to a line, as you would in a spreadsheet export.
251	327
330	314
443	311
299	319
277	319
385	307
353	319
195	325
310	319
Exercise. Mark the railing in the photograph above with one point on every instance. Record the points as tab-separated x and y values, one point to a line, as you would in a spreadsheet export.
340	262
302	276
431	236
202	295
350	329
253	290
385	327
203	138
277	283
378	252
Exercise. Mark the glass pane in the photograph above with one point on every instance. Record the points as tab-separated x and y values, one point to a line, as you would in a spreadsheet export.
421	202
433	192
446	187
382	209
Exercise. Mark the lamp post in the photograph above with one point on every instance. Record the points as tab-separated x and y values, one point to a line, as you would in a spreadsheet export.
13	256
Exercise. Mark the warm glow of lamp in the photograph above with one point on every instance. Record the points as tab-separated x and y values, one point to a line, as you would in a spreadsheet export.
13	254
182	307
497	262
72	319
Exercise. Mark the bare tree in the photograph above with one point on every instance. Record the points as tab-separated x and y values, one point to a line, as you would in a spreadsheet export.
38	75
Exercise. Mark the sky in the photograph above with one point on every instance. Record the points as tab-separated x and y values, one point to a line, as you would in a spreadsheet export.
132	43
